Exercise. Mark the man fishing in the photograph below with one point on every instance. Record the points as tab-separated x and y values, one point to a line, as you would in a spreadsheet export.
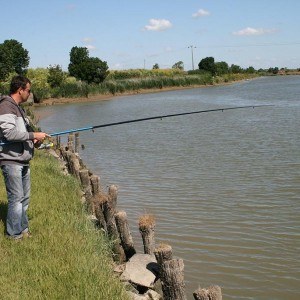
15	155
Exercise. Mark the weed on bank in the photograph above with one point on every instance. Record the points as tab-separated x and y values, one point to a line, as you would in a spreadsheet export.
66	258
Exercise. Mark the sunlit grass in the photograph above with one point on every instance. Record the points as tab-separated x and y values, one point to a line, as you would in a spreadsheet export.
67	258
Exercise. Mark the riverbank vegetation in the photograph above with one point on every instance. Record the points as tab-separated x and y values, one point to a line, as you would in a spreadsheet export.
89	76
66	258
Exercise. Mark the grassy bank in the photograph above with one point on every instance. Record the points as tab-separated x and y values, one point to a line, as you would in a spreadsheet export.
135	85
145	85
67	258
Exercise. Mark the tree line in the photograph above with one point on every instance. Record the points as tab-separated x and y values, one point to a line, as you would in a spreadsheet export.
92	71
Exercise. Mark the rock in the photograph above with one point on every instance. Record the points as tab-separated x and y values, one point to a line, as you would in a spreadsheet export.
142	269
119	269
134	296
150	295
153	295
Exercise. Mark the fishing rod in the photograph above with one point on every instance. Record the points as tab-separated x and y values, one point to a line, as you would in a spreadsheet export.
145	119
150	118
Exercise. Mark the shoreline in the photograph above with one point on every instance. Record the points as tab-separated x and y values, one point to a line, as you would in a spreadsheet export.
106	97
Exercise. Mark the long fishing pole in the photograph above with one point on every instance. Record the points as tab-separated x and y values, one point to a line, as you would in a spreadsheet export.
151	118
145	119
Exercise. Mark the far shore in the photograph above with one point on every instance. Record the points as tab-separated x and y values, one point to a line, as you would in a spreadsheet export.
105	97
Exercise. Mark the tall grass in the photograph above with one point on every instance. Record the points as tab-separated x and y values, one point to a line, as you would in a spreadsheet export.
67	258
142	73
154	82
157	80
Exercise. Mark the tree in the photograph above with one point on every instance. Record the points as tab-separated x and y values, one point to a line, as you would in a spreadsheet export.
250	70
208	64
179	65
221	68
77	56
155	66
93	70
55	76
235	69
13	58
83	67
273	70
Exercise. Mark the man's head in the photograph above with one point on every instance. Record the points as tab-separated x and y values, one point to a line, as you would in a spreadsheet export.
20	88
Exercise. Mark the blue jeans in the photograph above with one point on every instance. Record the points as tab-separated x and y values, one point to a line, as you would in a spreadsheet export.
17	182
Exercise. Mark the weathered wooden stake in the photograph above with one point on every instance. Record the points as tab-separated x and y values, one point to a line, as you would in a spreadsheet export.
95	182
57	142
71	142
76	142
125	235
74	165
171	273
146	227
173	279
163	253
99	201
87	189
211	293
109	210
85	179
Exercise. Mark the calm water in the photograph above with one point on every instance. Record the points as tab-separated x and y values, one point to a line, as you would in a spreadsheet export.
224	186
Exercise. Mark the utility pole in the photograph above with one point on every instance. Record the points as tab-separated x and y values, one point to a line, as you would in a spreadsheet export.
192	47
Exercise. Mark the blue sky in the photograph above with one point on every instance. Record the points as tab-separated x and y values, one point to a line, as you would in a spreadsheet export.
140	33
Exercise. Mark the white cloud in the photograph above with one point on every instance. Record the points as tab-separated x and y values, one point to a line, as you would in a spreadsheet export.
201	13
90	47
254	31
158	25
87	40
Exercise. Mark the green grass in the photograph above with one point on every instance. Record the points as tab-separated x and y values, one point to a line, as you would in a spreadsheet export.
67	258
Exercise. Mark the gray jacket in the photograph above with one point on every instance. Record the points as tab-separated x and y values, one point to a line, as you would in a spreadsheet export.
13	130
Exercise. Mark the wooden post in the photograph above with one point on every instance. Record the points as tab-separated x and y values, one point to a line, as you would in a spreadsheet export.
67	156
74	165
171	273
163	253
87	189
76	142
212	293
99	201
113	194
95	182
85	179
63	154
146	227
125	235
57	142
173	279
71	142
109	210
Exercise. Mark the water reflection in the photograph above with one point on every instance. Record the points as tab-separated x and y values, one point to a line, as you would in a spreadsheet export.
224	187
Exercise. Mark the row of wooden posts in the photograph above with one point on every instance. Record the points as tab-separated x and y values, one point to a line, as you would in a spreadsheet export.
115	224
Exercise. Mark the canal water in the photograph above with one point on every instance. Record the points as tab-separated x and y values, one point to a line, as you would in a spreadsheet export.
224	186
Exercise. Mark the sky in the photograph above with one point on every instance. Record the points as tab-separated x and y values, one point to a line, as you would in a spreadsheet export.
140	33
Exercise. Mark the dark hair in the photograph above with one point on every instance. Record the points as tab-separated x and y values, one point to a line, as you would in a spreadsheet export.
18	82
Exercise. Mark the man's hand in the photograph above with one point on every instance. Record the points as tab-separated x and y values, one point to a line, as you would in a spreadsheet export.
40	136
